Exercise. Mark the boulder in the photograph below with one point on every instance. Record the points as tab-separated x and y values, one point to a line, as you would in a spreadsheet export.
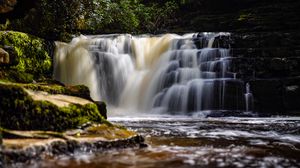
13	55
276	96
102	108
25	109
4	57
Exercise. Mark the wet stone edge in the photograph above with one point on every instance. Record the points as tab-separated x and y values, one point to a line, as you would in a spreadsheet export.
66	147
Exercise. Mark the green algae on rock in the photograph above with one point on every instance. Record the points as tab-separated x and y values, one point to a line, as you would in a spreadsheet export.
21	112
55	88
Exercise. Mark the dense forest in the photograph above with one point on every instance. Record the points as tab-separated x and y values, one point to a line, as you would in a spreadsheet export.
58	19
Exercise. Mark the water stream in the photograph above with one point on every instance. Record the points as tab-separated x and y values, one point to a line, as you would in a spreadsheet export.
164	74
197	142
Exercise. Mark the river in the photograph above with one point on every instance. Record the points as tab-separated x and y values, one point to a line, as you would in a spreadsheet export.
180	141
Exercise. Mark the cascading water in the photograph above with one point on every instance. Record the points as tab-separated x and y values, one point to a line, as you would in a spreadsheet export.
248	97
163	74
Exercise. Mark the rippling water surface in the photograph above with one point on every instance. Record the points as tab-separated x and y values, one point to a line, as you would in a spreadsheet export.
197	142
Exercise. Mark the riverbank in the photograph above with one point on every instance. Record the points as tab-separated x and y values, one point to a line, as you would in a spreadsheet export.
46	123
20	147
187	142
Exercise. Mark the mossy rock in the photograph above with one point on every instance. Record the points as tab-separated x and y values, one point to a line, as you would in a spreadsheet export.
32	55
20	112
55	88
16	76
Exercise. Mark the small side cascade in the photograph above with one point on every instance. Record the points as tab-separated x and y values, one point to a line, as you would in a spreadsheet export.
248	98
113	64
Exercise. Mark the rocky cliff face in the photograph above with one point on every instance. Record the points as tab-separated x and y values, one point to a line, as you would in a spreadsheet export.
264	44
269	62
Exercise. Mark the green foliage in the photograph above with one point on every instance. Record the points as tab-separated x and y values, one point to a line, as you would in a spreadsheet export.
54	19
31	55
59	19
156	16
5	25
19	111
119	15
17	76
131	16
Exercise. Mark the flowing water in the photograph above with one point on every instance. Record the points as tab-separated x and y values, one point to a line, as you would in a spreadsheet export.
165	74
183	141
171	86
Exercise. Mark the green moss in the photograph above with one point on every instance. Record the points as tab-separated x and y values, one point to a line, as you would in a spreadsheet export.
16	76
31	53
244	17
19	111
108	132
78	90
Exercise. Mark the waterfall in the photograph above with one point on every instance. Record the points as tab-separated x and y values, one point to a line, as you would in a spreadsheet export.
249	98
162	74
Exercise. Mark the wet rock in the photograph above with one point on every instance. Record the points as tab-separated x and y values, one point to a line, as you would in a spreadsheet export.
4	57
79	90
268	40
102	108
268	96
292	95
41	149
13	55
23	150
276	96
13	134
264	68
